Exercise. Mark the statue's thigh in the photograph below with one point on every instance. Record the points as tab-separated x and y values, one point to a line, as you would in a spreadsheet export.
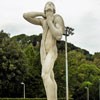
49	63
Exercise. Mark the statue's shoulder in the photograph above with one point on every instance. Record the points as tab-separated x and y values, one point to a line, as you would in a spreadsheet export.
58	17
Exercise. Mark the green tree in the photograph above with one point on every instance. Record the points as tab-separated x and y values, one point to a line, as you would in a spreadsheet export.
97	59
12	67
86	74
22	51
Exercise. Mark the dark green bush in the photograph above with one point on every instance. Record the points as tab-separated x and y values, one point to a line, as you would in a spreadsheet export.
26	99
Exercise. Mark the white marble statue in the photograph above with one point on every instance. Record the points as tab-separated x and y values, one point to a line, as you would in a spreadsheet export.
53	28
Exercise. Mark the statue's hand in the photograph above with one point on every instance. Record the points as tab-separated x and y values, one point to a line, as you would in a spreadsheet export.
43	15
50	18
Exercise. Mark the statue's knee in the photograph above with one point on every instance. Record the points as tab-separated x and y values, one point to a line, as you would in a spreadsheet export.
44	76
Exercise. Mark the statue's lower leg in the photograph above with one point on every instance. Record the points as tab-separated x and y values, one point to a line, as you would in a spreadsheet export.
50	87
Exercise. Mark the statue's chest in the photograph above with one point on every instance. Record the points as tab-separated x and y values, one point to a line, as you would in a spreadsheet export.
46	31
45	25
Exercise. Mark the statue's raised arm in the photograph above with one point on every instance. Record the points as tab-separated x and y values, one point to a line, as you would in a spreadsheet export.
32	17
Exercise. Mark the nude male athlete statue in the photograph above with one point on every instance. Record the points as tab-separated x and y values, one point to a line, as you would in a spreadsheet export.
53	28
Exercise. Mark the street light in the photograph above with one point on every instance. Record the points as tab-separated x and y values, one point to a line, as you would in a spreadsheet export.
99	89
23	89
87	92
68	31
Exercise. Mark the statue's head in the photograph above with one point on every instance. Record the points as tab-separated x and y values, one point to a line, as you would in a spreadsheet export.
49	6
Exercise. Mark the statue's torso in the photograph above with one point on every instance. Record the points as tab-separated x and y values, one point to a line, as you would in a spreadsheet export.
48	41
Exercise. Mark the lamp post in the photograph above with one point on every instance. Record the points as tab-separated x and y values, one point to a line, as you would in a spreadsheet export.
68	31
23	89
99	89
87	88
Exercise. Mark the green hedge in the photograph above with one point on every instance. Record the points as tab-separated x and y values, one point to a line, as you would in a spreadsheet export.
22	99
31	99
28	99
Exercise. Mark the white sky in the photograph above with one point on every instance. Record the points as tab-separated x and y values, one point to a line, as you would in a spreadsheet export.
82	15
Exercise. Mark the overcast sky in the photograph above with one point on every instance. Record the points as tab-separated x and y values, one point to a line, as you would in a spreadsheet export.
82	15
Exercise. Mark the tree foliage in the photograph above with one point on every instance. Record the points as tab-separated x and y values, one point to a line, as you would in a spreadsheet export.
13	66
20	61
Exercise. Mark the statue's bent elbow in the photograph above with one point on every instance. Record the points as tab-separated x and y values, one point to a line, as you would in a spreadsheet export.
58	37
25	16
